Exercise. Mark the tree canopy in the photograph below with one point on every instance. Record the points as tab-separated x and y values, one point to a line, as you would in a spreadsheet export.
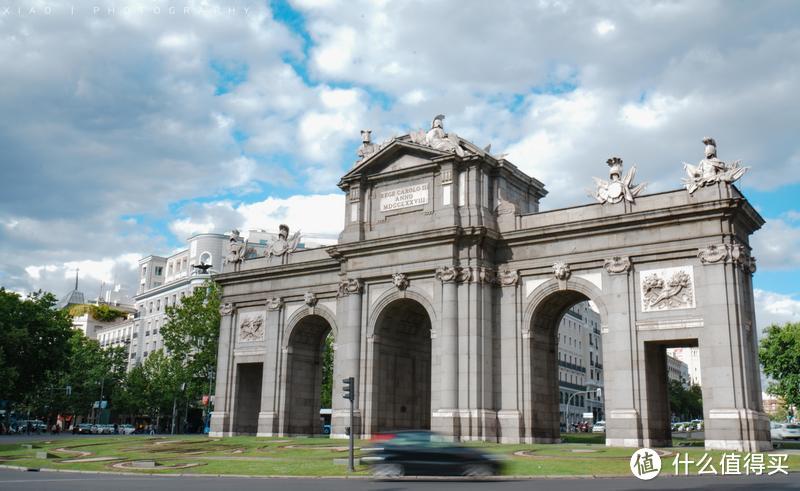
33	343
780	357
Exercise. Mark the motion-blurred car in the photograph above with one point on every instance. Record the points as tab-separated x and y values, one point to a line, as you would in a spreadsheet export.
424	453
85	428
126	429
599	427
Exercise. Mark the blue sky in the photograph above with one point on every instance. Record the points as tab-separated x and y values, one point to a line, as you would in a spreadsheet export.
158	126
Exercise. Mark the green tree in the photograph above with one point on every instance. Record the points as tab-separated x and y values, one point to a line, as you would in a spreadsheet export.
33	344
327	372
685	403
149	389
191	336
780	356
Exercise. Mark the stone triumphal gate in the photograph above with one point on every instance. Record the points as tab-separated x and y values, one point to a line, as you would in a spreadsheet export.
445	291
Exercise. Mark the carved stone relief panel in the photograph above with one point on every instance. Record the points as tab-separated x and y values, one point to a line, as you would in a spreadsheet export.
667	289
251	328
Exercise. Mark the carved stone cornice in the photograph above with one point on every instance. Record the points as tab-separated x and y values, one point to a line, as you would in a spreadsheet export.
561	271
618	265
507	277
310	299
274	304
226	309
400	280
349	286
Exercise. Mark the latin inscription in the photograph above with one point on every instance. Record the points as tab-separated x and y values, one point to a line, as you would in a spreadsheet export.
405	197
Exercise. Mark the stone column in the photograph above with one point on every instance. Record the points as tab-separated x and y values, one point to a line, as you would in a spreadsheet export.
220	417
509	416
347	357
733	416
445	418
620	356
268	416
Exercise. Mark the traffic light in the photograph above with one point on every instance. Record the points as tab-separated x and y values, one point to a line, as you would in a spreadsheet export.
349	389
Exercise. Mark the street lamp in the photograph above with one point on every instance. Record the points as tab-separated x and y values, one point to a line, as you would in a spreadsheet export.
598	391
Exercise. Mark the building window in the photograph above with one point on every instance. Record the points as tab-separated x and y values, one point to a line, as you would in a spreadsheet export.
159	270
462	188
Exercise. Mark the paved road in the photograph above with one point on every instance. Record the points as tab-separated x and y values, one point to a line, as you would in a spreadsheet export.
11	480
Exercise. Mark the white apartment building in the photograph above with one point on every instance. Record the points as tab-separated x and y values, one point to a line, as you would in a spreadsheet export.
677	370
691	357
164	281
580	364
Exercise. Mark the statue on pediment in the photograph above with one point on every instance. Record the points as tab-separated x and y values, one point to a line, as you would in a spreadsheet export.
711	170
437	138
367	148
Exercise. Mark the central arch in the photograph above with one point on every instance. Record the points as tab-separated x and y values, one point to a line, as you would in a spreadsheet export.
402	367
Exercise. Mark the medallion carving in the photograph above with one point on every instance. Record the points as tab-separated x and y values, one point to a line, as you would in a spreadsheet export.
507	277
350	286
618	265
274	304
226	309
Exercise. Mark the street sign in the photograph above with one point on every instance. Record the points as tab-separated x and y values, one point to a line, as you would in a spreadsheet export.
588	415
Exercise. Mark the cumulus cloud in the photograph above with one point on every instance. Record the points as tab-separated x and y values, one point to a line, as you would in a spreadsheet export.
128	132
775	308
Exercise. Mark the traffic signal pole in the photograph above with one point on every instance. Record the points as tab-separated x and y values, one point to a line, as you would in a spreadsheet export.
349	394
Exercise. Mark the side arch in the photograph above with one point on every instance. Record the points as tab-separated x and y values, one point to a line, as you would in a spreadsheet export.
575	285
390	296
297	317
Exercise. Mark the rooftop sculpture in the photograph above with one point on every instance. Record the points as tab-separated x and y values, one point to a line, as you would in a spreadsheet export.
437	138
617	188
711	170
283	244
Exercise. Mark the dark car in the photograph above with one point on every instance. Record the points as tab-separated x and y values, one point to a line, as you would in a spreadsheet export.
424	453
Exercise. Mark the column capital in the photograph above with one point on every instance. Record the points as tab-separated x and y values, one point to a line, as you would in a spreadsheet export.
226	309
508	277
453	274
274	304
617	264
349	286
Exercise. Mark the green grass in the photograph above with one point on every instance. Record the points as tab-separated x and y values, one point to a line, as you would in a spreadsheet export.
585	455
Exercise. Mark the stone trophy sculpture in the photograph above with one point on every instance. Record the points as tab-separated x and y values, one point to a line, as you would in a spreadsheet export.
711	170
283	244
617	188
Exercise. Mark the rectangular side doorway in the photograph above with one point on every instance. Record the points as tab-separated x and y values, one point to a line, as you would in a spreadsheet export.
248	398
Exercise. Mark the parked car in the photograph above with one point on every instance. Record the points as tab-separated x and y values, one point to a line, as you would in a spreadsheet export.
697	424
599	427
784	431
127	429
424	453
85	428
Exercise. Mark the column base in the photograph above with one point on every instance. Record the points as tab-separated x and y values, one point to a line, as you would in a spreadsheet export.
267	424
477	425
340	419
220	422
509	426
623	428
742	430
447	422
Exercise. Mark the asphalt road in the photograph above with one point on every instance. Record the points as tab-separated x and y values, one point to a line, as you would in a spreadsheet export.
52	481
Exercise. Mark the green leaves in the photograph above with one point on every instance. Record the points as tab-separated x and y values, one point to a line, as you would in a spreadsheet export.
33	343
780	356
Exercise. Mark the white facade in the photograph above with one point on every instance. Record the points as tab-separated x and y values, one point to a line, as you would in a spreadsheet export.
677	370
691	357
580	364
164	281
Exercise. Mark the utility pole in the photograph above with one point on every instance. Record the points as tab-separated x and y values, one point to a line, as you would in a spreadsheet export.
349	394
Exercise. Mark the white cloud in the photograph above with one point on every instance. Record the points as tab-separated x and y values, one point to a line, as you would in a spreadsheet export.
652	113
775	308
604	27
414	97
777	245
334	57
